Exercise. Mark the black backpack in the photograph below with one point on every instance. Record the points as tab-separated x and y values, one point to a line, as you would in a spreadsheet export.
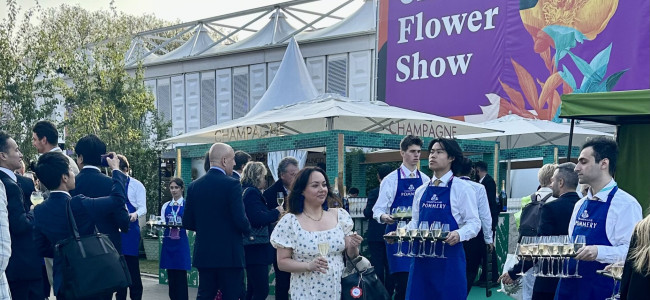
530	216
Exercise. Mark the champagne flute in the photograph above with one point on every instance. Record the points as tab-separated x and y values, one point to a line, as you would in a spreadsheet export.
413	233
523	250
443	234
424	233
152	220
280	199
617	272
435	233
401	232
36	198
567	249
579	242
323	247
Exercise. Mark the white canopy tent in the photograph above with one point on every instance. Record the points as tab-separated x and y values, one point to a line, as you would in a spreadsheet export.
196	44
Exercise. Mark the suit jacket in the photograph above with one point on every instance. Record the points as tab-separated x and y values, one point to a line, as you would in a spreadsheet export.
51	221
271	194
93	184
27	185
375	231
259	216
24	263
491	190
634	285
215	211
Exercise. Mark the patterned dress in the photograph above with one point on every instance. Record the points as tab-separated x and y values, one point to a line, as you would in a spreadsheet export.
314	285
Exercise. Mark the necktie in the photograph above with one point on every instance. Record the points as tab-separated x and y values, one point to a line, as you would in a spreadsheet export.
437	182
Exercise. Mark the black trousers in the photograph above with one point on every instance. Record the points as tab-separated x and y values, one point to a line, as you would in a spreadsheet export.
228	280
26	289
133	263
46	283
177	281
543	296
379	261
282	281
401	280
474	254
257	280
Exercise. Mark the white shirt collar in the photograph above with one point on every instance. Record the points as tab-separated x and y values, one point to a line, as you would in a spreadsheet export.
61	192
603	193
91	167
407	173
179	201
56	149
10	173
481	181
239	174
445	178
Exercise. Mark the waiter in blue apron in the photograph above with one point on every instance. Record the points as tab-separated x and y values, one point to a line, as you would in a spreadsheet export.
175	250
397	189
136	203
606	217
452	201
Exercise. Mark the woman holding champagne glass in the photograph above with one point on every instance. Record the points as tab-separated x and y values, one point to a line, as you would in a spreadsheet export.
258	256
175	251
311	238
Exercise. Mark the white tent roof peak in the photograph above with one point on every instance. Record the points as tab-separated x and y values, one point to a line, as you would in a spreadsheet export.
291	84
137	50
199	41
362	20
274	31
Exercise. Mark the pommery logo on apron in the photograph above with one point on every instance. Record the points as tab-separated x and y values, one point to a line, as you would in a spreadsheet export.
409	192
434	202
585	221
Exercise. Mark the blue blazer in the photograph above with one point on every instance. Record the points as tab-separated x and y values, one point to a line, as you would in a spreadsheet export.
215	211
24	263
27	185
260	216
94	184
51	221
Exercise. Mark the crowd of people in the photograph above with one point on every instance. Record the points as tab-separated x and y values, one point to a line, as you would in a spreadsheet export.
299	225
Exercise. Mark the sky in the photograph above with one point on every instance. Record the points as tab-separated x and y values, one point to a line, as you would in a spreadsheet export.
187	10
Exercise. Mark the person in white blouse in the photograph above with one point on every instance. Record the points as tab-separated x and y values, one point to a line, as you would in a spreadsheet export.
397	189
452	202
136	204
5	244
475	248
605	217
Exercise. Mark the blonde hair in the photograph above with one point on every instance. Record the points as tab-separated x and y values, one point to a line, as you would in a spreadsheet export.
640	255
545	173
253	174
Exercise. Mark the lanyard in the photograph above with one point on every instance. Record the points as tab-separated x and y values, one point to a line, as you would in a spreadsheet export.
175	212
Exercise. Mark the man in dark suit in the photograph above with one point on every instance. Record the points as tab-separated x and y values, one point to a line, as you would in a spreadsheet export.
215	211
491	189
241	159
51	222
24	269
287	170
27	185
375	233
91	182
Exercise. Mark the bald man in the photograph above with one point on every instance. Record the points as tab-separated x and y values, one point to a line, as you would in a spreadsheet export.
215	211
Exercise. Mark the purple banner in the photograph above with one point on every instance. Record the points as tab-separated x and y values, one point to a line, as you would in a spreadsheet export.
479	60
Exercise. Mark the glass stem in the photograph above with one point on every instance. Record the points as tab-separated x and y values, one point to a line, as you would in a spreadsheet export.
577	263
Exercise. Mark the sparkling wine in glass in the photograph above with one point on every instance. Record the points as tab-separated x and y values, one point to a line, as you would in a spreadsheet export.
323	248
579	242
424	233
401	232
413	233
435	233
280	199
36	198
444	232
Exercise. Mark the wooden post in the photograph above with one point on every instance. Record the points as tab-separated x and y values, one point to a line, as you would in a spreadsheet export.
341	165
555	158
179	168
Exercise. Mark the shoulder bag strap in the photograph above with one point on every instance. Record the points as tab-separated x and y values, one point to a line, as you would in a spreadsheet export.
546	197
71	222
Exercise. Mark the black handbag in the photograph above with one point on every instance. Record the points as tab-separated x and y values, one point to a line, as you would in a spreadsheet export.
258	235
362	284
91	264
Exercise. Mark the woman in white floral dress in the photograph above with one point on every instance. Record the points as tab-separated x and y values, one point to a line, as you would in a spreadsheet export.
309	223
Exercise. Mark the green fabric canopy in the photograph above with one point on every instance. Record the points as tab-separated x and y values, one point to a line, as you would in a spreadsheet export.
630	111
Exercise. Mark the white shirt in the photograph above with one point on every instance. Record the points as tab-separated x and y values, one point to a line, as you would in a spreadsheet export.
483	210
92	167
624	213
61	192
388	189
463	206
137	196
11	174
180	202
5	244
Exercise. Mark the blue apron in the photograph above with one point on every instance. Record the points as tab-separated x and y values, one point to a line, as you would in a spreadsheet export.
438	278
403	197
591	286
131	239
175	254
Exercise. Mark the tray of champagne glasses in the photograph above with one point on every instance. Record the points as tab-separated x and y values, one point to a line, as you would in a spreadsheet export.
548	246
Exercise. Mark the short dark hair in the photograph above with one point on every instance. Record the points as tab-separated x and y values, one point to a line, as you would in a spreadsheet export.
353	191
465	167
604	147
566	172
50	167
481	165
241	158
383	170
179	182
296	199
453	150
4	137
409	140
46	129
206	162
285	162
91	148
124	163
